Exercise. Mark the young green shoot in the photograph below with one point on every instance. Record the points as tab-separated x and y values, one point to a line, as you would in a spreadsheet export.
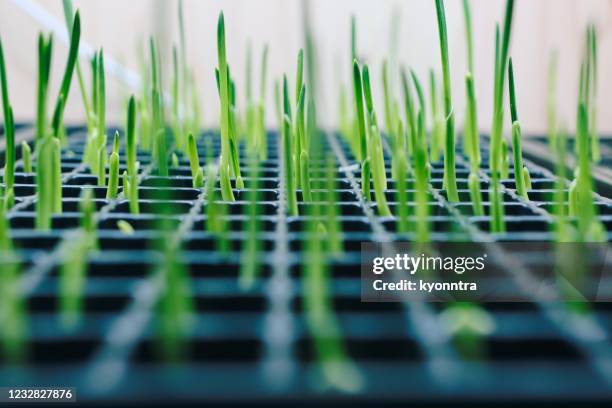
89	114
498	159
9	127
45	48
592	51
113	170
131	193
449	152
224	93
519	170
160	148
75	37
361	132
26	157
194	161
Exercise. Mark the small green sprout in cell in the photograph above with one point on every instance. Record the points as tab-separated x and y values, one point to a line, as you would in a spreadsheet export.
174	160
194	161
26	157
113	170
520	179
125	227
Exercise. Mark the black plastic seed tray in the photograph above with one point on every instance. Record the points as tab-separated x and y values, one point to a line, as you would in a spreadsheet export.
255	346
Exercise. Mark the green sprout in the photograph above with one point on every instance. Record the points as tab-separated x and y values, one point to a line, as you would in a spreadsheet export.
45	48
497	160
361	129
216	221
375	150
113	170
89	113
75	37
224	92
125	227
160	149
521	174
131	192
592	52
9	128
302	138
290	188
26	157
449	152
194	161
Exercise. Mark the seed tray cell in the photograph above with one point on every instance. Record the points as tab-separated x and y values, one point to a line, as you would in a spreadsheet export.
239	335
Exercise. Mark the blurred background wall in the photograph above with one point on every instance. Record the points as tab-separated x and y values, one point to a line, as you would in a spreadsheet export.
121	27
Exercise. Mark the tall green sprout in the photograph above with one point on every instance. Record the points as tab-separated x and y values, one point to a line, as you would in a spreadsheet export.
89	114
496	161
521	174
361	131
592	52
224	92
288	164
449	152
9	128
160	148
75	38
131	189
45	49
375	151
471	133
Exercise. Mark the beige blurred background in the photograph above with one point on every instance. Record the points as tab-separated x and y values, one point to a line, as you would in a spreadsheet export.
120	27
